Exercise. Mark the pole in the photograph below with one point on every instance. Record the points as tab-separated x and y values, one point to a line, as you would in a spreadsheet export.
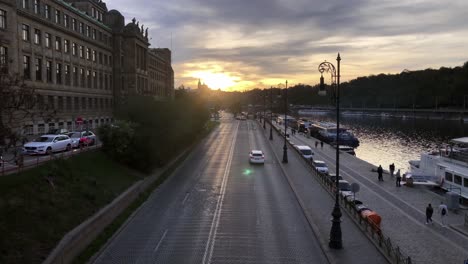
264	106
285	148
335	232
271	113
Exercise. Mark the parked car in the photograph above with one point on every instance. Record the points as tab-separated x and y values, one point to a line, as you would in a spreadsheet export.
256	156
332	177
57	131
47	144
306	151
82	138
347	149
320	166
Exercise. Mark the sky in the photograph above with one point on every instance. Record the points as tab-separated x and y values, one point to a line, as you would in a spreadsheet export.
246	44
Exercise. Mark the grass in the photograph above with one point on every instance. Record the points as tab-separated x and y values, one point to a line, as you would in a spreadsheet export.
39	206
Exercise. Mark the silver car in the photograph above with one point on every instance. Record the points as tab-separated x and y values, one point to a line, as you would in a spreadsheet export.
47	144
82	138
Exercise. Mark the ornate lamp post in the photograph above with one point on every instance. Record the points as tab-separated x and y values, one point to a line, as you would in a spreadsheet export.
271	113
335	232
285	147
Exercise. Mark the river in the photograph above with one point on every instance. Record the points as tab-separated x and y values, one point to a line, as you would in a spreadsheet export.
396	140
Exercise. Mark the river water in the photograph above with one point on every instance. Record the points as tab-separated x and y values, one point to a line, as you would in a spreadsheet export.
386	140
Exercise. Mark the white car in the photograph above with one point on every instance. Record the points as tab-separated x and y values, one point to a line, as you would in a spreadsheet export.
47	144
82	138
306	151
256	156
320	166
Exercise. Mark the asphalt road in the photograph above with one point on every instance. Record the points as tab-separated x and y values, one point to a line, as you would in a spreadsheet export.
218	208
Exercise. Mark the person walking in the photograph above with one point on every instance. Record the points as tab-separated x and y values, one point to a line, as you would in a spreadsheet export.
380	172
321	144
429	212
392	169
316	144
443	213
398	178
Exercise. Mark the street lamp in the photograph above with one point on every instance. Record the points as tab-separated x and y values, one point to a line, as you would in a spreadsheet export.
264	110
335	232
285	148
271	113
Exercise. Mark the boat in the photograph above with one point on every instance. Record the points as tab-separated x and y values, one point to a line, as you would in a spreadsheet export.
326	131
447	167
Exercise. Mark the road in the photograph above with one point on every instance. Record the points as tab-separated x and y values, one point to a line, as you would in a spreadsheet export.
218	208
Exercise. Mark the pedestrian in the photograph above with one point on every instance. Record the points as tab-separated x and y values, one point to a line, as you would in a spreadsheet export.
429	212
316	144
392	169
380	172
443	213
398	178
321	144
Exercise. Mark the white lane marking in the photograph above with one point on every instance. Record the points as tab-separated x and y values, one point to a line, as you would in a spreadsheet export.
185	199
160	241
215	222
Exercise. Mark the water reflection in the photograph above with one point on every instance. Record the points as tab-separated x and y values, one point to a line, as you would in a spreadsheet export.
387	140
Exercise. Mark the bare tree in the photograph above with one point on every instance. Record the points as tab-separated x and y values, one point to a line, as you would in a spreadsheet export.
19	103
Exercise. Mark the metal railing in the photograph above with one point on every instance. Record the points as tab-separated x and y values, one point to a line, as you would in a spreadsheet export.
373	231
19	163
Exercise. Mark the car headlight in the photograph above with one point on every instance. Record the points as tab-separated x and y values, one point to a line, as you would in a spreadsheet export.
41	147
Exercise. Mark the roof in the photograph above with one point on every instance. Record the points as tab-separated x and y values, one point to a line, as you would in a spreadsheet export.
462	140
303	147
319	161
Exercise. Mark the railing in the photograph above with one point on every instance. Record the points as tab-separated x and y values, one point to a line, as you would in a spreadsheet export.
18	163
373	231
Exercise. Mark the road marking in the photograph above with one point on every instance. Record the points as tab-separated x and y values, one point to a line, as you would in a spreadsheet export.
215	222
185	199
160	241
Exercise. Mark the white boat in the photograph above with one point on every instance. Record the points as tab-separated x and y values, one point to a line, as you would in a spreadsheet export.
447	167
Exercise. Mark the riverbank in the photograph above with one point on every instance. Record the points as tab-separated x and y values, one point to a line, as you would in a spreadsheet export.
40	205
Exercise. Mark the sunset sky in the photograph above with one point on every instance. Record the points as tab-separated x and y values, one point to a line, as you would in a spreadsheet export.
245	44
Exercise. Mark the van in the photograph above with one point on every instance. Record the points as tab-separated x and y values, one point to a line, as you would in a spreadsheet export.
347	149
306	151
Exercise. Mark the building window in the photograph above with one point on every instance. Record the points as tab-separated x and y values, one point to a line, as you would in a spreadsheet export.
465	182
38	69
3	57
37	36
69	104
41	129
94	33
82	77
448	176
81	51
94	80
88	53
66	45
88	78
100	80
49	71
83	103
90	103
74	49
88	29
47	11
65	20
76	103
27	67
58	44
37	7
25	4
57	16
67	74
60	107
94	55
58	75
81	28
457	179
3	18
93	12
100	58
75	76
105	81
47	40
74	24
25	32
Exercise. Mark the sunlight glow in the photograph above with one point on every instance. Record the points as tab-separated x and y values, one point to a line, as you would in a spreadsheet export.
216	80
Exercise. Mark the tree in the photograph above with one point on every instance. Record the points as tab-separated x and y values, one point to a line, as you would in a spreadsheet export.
19	103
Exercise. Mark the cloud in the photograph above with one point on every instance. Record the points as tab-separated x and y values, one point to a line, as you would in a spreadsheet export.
259	42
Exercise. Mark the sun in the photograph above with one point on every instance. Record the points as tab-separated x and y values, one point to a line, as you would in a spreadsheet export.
216	80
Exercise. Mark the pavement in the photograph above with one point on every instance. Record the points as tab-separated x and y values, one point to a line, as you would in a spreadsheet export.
402	209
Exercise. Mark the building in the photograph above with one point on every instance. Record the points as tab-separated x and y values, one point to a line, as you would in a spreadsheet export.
80	58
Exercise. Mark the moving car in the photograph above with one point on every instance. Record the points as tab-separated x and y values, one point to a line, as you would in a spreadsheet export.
306	151
347	149
320	166
256	156
82	138
47	144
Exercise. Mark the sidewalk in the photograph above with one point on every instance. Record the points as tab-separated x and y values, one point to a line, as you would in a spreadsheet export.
402	210
318	203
